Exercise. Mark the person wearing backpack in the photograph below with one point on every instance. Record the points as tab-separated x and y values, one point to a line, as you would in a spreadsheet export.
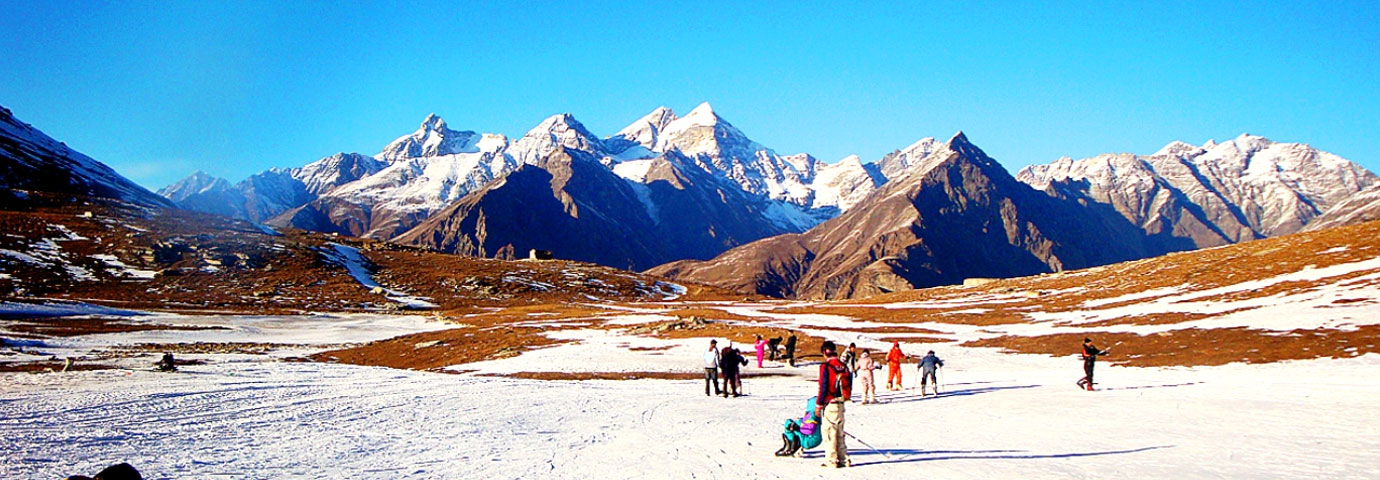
835	388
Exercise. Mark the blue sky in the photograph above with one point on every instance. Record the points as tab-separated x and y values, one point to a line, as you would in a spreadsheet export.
159	89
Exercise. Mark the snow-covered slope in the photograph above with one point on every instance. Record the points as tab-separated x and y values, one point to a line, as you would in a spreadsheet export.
1246	188
198	182
31	160
430	140
1362	207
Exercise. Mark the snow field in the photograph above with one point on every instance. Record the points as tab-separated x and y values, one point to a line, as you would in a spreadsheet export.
1000	416
1004	416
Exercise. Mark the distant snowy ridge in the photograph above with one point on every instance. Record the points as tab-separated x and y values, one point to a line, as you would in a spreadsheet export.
1245	188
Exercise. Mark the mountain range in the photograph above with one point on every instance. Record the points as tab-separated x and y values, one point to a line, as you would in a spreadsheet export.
694	198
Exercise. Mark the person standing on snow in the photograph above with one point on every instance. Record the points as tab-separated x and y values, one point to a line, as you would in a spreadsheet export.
729	361
929	366
790	349
850	359
835	388
711	367
761	347
1090	354
893	366
869	381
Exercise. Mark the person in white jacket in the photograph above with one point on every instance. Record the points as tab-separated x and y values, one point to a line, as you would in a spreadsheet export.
866	365
711	367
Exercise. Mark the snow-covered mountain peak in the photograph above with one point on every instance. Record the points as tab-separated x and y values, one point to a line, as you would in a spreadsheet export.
704	132
1246	144
432	138
197	182
703	114
1176	148
898	162
432	123
557	131
644	131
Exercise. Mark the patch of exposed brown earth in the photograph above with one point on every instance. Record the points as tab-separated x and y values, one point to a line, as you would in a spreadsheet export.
995	314
51	367
433	350
913	340
1203	269
710	313
71	327
576	376
1164	318
1195	346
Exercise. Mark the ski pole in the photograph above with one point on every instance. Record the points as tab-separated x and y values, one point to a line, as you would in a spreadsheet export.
865	444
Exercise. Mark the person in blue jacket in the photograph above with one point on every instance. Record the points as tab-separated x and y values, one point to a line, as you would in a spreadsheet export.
801	435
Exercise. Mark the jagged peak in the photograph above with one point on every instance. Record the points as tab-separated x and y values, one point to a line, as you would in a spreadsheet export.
1174	148
648	125
958	140
702	115
432	123
559	121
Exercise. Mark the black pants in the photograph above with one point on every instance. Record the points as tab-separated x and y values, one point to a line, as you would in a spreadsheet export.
1088	369
711	377
730	382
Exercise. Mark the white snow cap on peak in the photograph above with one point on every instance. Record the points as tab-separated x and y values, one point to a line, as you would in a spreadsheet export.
433	123
702	115
1174	148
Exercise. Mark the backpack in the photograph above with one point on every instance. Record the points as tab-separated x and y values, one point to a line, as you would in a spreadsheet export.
843	381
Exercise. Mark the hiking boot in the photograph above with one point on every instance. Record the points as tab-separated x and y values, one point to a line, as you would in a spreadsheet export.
785	449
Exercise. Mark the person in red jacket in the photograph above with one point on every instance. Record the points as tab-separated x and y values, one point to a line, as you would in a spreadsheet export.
893	366
835	388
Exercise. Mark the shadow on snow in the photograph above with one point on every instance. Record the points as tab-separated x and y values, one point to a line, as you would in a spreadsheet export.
911	455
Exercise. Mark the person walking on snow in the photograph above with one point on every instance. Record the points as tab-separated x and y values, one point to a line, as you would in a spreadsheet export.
893	366
1090	354
869	381
929	365
835	388
761	346
711	367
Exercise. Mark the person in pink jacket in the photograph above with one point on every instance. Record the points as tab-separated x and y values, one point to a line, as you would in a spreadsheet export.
761	350
865	367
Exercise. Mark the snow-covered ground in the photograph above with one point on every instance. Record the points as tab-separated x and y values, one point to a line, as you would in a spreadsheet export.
1001	416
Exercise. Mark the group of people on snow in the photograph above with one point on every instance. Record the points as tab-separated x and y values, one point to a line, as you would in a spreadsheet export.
721	370
823	422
